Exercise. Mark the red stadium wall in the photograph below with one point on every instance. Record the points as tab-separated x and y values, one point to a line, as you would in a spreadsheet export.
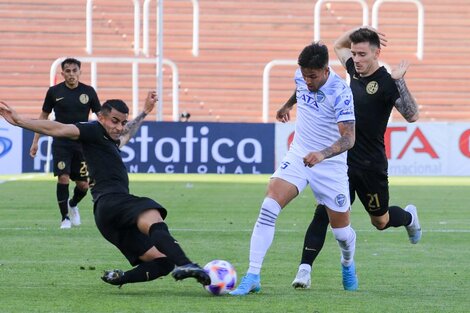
237	39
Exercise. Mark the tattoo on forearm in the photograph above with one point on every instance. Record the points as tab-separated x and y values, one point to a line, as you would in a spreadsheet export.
131	128
406	104
292	100
345	142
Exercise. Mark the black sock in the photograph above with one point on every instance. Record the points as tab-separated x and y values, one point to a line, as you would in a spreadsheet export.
78	195
398	217
315	235
148	271
166	244
62	192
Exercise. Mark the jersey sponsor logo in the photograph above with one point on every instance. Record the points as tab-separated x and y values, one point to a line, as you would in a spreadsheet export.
84	98
5	145
58	99
347	111
372	87
340	200
313	98
61	165
309	100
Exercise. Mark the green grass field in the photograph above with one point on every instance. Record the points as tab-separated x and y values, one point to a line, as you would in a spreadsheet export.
45	269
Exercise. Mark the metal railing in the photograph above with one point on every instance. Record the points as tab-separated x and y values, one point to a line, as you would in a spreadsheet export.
420	35
160	61
145	23
129	60
266	72
316	15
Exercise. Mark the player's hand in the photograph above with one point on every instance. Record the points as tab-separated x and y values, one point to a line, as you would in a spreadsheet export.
8	113
33	150
283	114
150	102
382	37
313	158
399	71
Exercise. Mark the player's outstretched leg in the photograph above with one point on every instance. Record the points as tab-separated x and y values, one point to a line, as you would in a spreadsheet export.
145	271
414	229
250	284
113	277
191	270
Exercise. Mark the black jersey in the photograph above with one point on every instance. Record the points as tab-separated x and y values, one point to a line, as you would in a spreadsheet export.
374	98
107	171
71	105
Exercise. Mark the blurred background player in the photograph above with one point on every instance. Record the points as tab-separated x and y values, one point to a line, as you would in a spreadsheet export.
324	131
375	93
72	102
135	225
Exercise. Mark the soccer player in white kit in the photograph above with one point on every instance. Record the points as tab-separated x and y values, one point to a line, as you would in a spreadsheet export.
325	130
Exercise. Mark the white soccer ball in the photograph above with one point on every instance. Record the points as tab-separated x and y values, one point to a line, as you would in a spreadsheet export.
223	277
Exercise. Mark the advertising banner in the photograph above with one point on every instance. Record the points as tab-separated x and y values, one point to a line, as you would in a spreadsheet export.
10	148
169	147
419	149
428	149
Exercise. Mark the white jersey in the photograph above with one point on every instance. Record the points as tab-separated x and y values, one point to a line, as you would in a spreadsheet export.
318	115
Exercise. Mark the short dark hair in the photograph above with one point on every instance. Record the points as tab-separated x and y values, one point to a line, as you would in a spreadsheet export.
314	56
70	61
116	104
365	35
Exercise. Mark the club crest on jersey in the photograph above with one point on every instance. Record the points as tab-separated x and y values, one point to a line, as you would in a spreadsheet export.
340	200
372	87
320	96
61	165
84	98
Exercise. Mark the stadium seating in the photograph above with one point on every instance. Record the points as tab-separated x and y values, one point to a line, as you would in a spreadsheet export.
237	39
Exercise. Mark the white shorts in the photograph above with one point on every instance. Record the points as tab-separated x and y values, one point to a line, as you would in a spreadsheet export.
328	180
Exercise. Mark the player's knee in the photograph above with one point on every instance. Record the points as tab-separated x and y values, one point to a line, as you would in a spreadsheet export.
148	218
63	179
83	186
343	233
380	225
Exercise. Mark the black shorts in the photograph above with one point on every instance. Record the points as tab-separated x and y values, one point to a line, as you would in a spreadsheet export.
372	189
116	219
69	160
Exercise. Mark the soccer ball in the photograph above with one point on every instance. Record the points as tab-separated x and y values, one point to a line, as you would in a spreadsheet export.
223	277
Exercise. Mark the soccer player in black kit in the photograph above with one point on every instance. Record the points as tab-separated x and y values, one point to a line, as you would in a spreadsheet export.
72	102
375	93
135	225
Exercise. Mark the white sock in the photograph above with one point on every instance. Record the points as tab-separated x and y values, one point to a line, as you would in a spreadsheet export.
263	234
346	238
306	267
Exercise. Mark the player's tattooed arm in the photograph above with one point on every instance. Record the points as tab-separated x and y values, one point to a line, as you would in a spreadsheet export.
283	114
406	104
345	142
292	100
131	128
